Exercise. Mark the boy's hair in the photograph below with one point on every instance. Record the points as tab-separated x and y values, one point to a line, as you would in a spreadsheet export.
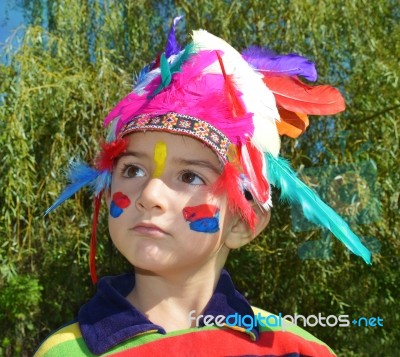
238	104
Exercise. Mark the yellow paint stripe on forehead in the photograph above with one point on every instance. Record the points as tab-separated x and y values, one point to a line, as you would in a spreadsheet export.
160	156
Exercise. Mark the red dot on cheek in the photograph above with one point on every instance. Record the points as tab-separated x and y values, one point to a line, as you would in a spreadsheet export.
121	200
199	212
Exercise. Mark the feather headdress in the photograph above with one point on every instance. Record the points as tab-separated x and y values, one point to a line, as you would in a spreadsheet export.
236	103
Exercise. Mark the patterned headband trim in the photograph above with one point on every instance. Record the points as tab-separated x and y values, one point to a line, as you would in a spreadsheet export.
181	124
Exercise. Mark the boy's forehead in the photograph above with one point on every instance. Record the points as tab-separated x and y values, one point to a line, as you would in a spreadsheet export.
177	145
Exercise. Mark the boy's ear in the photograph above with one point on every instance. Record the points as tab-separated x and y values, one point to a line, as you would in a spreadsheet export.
242	234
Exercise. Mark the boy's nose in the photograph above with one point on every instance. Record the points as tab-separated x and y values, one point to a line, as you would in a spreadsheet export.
153	195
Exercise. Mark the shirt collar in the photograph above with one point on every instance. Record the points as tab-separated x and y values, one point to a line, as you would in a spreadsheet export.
109	318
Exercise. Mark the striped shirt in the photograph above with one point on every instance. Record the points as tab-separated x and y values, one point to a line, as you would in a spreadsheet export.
108	325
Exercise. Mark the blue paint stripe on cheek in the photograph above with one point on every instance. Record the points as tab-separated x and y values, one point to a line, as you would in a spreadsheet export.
205	225
115	211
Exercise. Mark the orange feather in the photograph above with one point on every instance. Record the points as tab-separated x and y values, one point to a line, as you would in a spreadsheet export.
291	124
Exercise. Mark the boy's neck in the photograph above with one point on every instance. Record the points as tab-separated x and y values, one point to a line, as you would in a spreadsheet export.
167	300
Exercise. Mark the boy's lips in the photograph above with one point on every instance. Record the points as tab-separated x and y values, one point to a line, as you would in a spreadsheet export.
149	229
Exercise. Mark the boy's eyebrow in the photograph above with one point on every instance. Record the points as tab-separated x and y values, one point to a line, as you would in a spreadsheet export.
201	163
133	153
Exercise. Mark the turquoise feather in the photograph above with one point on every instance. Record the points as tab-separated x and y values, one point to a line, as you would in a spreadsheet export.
166	74
167	70
177	64
281	175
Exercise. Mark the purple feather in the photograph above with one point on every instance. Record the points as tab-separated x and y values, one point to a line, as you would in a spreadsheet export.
172	47
269	63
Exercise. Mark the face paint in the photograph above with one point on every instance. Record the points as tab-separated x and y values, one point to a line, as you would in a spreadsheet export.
115	211
203	218
198	212
160	156
119	201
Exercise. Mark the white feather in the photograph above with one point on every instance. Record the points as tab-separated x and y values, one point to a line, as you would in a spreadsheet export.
257	98
140	88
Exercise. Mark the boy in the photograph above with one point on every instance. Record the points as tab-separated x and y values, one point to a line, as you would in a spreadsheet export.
186	174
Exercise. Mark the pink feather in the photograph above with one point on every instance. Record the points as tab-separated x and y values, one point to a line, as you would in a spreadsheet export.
191	92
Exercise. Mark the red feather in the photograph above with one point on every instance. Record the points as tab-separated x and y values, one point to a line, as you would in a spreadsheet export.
291	124
252	164
157	61
296	96
93	239
228	183
231	92
110	151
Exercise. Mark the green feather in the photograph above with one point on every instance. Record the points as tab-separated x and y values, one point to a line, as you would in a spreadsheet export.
166	75
177	64
167	70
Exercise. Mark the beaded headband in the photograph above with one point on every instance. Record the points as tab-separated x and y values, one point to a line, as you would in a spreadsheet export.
181	124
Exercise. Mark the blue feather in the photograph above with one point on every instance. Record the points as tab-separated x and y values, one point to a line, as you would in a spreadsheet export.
143	73
315	210
111	132
103	182
80	175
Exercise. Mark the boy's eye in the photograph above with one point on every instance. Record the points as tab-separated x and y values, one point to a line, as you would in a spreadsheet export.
191	178
132	171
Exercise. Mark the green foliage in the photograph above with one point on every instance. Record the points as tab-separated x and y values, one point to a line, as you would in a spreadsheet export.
56	88
19	306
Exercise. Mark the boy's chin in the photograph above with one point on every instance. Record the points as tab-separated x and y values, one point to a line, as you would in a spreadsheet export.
179	271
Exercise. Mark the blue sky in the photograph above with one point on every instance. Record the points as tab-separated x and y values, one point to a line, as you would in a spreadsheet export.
10	18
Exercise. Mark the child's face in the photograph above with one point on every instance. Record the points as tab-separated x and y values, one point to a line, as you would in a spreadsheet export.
162	214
